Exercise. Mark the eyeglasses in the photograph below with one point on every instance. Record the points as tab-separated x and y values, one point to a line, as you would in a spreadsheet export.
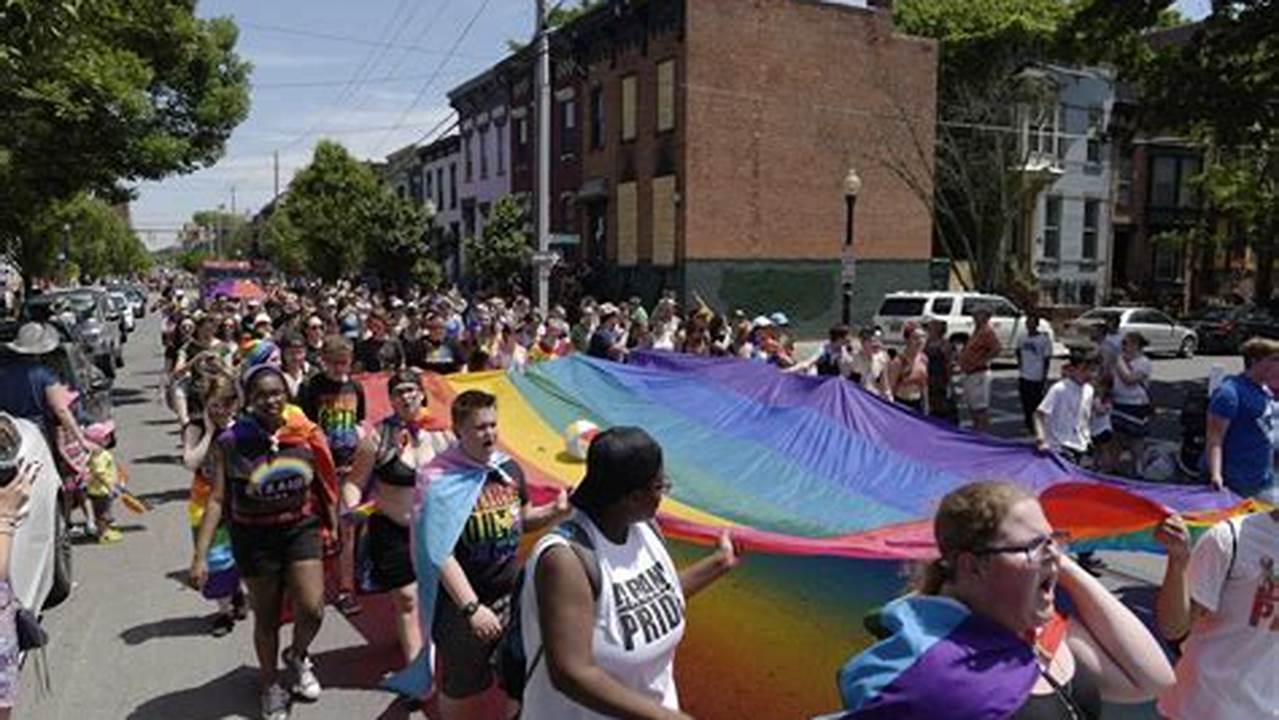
405	390
1034	550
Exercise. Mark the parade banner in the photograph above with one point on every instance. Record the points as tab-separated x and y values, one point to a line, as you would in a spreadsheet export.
828	489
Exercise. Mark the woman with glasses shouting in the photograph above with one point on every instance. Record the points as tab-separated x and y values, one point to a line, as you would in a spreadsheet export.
982	636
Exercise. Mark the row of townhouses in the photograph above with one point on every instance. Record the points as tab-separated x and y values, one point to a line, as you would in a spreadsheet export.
702	146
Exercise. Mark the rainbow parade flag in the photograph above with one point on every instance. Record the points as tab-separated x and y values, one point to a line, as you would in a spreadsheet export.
827	488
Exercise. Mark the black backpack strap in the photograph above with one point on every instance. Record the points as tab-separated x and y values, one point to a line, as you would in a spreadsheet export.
1234	549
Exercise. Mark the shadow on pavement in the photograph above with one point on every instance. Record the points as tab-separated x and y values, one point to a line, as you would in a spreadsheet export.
161	421
233	695
161	497
167	628
159	459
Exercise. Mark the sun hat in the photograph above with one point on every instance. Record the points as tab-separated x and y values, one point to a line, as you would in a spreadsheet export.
779	318
34	339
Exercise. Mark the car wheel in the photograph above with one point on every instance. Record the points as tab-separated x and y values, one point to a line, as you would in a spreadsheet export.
1187	347
61	588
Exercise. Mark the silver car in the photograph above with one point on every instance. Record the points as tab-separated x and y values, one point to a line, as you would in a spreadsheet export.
1164	335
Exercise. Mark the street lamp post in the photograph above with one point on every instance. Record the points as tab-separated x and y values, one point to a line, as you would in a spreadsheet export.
65	255
848	266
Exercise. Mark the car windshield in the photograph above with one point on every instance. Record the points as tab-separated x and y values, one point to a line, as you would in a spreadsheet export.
902	307
41	307
1100	315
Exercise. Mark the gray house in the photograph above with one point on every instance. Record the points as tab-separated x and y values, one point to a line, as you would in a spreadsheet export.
1070	223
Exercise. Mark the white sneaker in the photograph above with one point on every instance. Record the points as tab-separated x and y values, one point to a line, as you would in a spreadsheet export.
275	703
305	685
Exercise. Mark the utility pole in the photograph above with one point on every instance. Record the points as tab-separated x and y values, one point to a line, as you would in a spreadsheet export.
276	156
543	260
232	199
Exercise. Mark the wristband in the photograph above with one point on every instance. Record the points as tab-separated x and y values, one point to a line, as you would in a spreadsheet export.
470	609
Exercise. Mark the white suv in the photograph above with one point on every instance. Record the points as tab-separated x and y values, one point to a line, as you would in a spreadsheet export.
956	310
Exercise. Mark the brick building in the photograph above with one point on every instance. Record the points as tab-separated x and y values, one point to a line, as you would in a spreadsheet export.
716	135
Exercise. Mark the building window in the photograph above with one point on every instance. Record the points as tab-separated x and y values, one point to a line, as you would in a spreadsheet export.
522	124
470	161
1167	261
501	148
453	186
439	187
630	96
1094	136
1187	171
665	95
568	128
1052	227
428	177
664	220
1087	294
1092	221
627	224
1042	128
1123	184
484	153
597	118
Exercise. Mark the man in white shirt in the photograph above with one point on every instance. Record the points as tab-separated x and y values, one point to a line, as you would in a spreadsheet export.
1223	599
1034	353
1063	418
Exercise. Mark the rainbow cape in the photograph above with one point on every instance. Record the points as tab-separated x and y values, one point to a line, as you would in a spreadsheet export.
827	488
447	490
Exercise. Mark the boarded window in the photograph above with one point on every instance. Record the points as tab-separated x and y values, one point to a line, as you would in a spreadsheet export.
627	225
665	95
664	220
630	89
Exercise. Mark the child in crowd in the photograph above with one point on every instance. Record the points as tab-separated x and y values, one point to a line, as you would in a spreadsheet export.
223	586
1063	419
103	484
335	402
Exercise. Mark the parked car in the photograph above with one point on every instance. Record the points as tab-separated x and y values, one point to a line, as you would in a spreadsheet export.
1164	336
956	310
87	312
136	297
120	304
1223	329
40	558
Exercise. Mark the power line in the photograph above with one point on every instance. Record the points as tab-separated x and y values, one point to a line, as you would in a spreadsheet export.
439	68
354	40
335	83
359	71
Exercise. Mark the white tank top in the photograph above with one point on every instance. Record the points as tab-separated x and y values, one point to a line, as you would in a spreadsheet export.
639	621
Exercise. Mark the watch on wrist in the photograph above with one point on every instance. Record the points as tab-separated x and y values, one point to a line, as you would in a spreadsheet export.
470	608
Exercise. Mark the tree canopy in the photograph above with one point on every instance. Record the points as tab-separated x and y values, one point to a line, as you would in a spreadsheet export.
338	220
94	93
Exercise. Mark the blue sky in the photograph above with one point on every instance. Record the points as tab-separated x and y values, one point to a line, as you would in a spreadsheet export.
371	74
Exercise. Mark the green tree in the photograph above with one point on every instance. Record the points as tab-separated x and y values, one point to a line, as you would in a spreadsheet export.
401	255
282	245
94	236
346	223
970	167
500	257
98	92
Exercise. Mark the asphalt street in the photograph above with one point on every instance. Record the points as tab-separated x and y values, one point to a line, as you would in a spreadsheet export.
133	642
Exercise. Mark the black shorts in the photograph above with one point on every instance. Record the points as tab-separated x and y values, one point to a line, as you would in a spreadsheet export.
266	550
390	553
465	669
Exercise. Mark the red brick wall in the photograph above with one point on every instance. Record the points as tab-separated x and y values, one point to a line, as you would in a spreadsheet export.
637	159
780	97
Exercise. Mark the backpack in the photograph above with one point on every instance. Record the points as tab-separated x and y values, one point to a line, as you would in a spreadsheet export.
509	659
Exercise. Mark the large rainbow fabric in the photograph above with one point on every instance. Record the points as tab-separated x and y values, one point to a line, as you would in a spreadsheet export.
826	486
